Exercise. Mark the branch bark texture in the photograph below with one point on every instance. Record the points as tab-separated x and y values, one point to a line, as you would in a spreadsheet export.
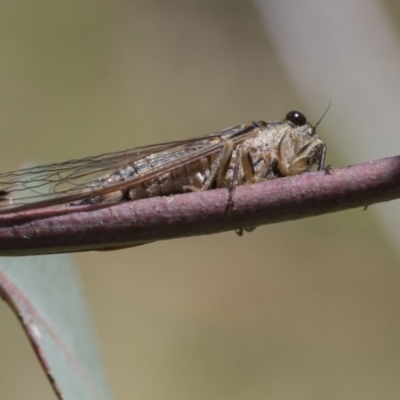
67	229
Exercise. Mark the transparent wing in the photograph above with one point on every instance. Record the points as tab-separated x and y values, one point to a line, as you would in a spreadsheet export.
69	181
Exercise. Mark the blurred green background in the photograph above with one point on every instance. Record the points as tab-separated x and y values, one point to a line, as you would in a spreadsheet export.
299	310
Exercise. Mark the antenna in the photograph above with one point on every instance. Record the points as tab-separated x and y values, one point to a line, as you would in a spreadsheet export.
323	115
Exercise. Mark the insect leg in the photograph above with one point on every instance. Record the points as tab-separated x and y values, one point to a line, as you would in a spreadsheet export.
218	169
249	229
321	161
247	165
268	167
220	166
235	177
244	161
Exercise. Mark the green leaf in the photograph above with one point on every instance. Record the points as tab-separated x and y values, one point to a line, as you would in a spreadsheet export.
46	294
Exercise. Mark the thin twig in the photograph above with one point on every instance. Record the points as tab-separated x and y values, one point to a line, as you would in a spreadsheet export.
66	229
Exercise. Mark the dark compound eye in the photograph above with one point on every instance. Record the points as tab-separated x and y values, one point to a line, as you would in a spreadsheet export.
296	118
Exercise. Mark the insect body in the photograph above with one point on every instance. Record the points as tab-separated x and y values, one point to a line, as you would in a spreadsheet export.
246	153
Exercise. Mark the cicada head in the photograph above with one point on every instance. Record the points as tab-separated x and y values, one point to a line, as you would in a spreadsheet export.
300	147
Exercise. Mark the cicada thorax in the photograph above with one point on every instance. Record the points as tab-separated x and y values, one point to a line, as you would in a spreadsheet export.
278	149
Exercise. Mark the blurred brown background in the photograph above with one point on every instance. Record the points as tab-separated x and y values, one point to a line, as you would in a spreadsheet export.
300	310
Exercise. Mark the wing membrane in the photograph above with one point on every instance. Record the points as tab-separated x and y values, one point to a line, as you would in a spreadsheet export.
69	181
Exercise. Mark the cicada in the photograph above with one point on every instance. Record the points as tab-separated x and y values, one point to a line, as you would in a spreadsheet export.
246	153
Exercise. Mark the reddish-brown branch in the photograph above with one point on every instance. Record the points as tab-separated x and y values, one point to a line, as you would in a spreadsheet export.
66	229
